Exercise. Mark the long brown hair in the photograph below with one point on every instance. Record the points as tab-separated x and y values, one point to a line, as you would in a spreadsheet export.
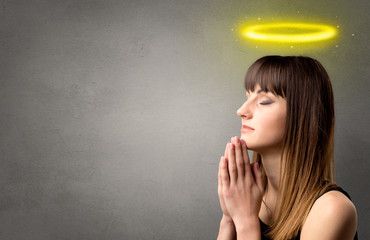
307	161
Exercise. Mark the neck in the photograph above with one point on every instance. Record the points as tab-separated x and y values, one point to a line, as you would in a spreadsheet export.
271	164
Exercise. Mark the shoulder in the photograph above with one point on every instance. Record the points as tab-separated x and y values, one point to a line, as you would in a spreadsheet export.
332	216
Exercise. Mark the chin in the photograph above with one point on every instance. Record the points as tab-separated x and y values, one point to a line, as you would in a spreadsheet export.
261	149
250	144
257	147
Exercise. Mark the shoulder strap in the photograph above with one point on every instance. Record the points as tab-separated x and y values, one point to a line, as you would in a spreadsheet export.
335	188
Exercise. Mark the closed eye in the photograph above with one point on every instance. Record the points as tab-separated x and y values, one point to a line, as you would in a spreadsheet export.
266	102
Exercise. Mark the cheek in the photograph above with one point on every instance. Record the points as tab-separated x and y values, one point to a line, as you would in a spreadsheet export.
273	126
279	122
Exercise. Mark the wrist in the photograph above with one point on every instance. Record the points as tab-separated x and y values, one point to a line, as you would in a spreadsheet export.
227	229
248	228
227	220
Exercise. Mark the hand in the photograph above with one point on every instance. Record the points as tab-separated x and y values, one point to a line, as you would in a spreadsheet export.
227	228
242	185
226	215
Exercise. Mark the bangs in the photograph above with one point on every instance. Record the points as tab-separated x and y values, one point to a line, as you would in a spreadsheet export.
270	73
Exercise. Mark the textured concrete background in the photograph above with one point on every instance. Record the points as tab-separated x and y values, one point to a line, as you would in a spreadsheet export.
113	114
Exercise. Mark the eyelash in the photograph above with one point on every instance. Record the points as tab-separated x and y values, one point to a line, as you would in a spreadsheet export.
263	102
266	103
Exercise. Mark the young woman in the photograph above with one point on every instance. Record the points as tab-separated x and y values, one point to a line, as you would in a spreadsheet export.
288	191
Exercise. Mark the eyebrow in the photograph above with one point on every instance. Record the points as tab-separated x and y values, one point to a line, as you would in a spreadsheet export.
258	92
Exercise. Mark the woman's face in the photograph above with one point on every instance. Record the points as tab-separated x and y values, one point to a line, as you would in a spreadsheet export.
263	120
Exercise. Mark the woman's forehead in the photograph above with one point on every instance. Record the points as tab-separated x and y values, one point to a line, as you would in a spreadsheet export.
256	88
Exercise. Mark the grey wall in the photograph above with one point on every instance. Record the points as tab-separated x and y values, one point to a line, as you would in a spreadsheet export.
114	114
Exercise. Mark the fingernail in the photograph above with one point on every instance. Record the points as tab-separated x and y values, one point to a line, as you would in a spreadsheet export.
242	141
237	139
231	145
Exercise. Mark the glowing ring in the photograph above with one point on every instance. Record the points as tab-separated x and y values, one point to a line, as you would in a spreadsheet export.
314	32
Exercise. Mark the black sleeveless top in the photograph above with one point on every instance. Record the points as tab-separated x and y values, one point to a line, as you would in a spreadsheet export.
265	228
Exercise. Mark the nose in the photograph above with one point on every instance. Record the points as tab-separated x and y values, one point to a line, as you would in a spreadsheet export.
244	111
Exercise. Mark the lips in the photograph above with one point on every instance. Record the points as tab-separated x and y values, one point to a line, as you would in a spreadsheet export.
247	127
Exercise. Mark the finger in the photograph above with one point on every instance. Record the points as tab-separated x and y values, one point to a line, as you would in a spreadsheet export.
226	150
258	176
219	172
219	177
247	169
232	164
239	157
225	178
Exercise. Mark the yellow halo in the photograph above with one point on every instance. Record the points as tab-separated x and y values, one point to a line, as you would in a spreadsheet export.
307	32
